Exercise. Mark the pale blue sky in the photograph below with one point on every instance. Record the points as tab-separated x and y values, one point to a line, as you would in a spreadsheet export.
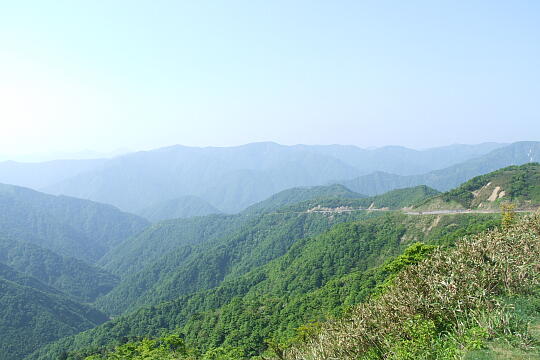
103	75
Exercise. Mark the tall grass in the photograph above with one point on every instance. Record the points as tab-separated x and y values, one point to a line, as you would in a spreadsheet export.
445	304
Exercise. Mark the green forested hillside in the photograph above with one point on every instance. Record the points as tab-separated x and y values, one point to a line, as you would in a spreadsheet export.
191	268
74	277
259	282
519	185
316	277
475	300
182	207
68	226
32	314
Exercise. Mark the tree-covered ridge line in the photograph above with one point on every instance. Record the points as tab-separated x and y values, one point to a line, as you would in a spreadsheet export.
282	287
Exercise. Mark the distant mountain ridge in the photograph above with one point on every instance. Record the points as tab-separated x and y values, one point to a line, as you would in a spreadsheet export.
445	179
233	178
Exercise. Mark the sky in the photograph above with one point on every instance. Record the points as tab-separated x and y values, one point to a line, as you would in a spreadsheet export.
79	76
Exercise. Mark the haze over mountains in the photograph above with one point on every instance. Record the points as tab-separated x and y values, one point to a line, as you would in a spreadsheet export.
231	179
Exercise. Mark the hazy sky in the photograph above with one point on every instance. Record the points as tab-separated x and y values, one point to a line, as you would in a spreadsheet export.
104	75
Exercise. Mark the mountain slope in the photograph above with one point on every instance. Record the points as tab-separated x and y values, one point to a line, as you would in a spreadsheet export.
31	316
81	281
160	239
195	267
73	227
183	207
519	185
515	154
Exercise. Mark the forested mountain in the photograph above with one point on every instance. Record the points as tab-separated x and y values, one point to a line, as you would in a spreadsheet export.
233	178
73	277
519	185
445	179
73	227
32	314
182	207
318	276
296	195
